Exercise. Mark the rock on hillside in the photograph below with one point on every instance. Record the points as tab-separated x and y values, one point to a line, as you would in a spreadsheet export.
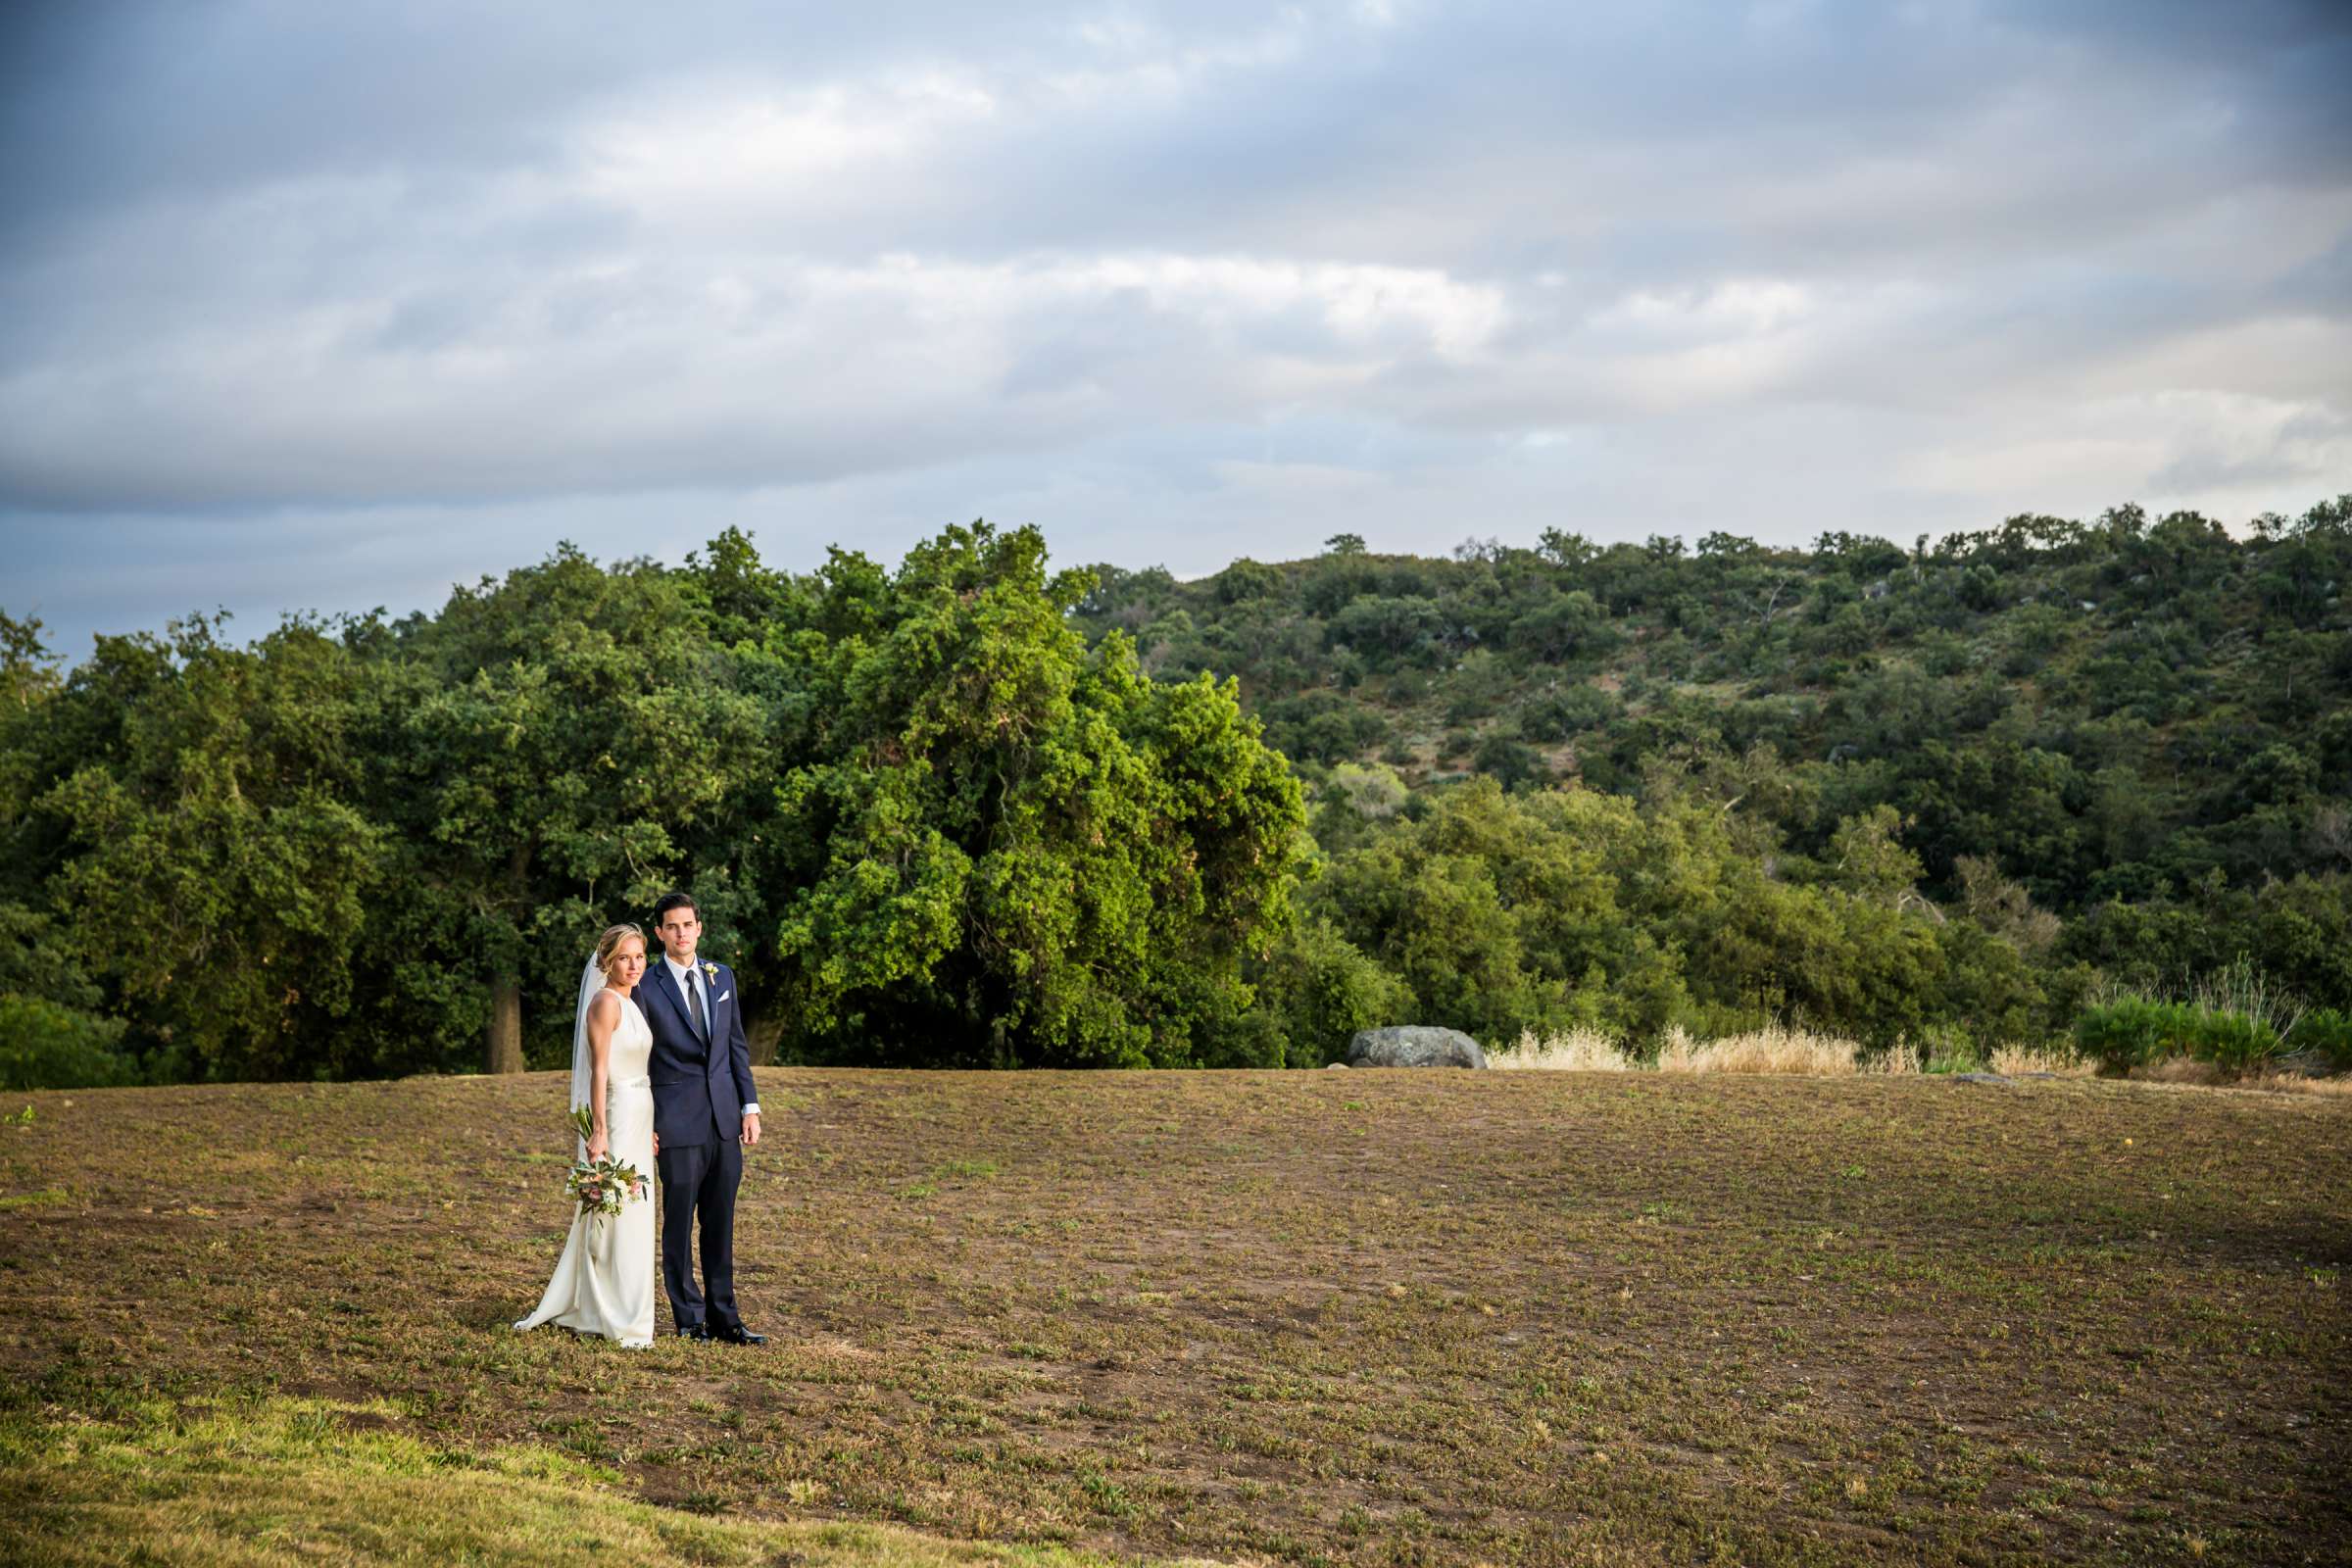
1413	1046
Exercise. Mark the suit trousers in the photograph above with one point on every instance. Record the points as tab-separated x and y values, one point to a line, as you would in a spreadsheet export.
698	1182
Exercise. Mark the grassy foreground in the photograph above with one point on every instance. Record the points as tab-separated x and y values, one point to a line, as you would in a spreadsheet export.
1332	1317
302	1481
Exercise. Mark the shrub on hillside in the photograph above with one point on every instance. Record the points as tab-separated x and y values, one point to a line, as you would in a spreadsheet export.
1510	762
2133	1031
1323	726
2327	1031
46	1045
1555	717
1480	683
2232	1041
1384	630
1315	990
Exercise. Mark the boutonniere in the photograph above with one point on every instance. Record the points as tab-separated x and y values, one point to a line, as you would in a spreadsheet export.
710	971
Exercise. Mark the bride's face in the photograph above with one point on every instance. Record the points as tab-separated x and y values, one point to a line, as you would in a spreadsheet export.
628	964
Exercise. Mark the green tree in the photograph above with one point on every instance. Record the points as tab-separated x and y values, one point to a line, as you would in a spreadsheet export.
1246	579
571	723
27	668
1316	991
1008	850
1867	858
220	875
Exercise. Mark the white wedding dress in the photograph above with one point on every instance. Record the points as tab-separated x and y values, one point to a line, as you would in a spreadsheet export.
604	1282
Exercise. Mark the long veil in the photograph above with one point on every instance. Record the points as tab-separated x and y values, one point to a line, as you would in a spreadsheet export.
592	980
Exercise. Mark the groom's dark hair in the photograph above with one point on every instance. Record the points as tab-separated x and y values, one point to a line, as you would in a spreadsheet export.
675	901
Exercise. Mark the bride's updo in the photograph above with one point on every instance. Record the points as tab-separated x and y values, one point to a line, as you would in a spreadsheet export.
610	943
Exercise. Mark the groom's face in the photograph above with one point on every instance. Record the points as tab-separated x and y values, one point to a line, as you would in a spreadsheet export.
680	930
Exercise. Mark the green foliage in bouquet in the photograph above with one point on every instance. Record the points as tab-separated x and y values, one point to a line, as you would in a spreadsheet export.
600	1185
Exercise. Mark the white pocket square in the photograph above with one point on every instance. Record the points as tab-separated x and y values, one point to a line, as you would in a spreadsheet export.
724	995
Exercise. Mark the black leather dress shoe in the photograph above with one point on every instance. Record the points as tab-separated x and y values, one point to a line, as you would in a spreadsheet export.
737	1334
694	1331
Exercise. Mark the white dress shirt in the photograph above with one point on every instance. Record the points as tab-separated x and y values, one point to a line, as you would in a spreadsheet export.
684	977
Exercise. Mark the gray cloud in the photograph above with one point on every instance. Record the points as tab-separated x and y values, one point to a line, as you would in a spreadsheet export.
275	280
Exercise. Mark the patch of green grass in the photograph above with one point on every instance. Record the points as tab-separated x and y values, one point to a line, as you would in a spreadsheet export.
287	1481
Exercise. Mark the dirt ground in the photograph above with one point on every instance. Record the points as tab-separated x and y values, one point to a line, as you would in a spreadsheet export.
1335	1317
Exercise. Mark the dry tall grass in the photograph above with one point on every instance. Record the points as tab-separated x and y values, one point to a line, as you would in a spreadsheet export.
2240	988
2179	1070
1571	1051
1801	1052
2188	1071
2027	1059
1776	1049
2289	1083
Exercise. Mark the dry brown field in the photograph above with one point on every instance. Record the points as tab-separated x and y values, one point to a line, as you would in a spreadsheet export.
1336	1317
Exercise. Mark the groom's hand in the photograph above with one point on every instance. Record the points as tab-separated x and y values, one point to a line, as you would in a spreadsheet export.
751	1127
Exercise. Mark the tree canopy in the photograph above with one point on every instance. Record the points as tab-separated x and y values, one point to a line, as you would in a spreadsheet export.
973	809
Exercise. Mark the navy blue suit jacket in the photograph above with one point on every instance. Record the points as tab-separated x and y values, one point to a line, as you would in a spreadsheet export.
699	1091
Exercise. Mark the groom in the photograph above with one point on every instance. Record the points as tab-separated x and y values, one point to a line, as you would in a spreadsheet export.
704	1116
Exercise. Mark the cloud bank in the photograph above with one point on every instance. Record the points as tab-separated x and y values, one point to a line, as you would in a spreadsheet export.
325	308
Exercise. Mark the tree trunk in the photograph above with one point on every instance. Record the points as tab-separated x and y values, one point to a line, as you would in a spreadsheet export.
762	1035
504	1051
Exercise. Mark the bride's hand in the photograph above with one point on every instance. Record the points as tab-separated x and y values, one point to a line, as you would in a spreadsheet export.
657	1143
598	1146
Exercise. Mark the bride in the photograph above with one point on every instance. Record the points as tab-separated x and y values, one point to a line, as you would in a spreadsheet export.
604	1282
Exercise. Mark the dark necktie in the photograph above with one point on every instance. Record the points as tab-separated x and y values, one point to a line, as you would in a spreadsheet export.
694	1006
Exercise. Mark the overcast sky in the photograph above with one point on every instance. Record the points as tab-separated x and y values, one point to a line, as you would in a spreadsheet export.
325	307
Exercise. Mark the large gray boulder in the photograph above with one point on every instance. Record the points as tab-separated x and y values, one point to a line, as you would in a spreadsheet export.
1413	1046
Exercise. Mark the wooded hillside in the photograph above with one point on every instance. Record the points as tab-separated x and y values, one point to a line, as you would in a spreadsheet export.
974	810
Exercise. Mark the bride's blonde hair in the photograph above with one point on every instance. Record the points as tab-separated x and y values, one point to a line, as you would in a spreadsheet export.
610	943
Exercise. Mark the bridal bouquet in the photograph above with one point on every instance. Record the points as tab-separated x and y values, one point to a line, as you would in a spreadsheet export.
601	1185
